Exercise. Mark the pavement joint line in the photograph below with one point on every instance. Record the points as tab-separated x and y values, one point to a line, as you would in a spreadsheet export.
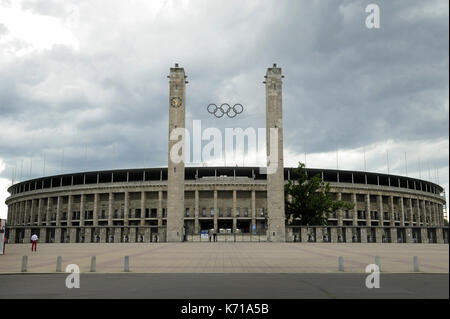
231	273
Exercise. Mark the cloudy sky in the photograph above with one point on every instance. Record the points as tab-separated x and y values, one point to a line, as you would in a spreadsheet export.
83	83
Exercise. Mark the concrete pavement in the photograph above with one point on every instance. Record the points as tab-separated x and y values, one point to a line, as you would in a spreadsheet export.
229	257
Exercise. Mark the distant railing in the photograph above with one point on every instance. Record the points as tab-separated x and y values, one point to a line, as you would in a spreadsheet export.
228	237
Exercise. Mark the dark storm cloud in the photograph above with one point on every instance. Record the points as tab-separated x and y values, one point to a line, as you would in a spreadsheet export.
345	86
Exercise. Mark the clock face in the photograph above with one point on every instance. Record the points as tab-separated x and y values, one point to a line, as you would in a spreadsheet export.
175	102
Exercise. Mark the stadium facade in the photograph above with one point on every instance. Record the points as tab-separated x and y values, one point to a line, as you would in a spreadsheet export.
179	203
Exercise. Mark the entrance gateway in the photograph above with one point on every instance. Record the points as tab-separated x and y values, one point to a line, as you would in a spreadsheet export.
176	223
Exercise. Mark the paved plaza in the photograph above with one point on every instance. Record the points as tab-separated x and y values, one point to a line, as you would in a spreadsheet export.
228	257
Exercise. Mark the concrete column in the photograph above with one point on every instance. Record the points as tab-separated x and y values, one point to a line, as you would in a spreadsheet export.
49	211
27	236
160	198
96	210
32	211
253	212
117	235
69	212
19	213
348	234
12	236
402	212
103	235
142	208
147	236
132	235
16	214
304	234
379	235
58	211
339	212
126	208
436	222
424	235
196	213
380	210
439	236
368	219
23	212
215	210
27	212
87	235
43	235
431	206
355	209
40	207
234	211
391	211
73	235
275	175
424	212
82	203
9	215
418	212
429	213
363	235
393	231
13	216
175	169
13	221
110	208
319	235
433	214
411	213
58	235
409	236
333	234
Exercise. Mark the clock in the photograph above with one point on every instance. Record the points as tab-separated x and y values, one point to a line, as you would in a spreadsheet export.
175	102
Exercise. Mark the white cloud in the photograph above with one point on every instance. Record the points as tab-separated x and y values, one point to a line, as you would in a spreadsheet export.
29	32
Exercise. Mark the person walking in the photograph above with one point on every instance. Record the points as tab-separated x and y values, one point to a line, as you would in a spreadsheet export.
34	240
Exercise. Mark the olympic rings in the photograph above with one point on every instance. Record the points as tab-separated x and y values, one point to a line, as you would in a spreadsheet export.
225	108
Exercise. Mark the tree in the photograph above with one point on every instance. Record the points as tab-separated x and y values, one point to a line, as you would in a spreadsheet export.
310	202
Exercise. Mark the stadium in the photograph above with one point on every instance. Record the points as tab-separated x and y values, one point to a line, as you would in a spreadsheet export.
131	206
179	203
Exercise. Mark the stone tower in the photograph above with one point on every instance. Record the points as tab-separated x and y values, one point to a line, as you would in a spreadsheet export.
275	166
175	181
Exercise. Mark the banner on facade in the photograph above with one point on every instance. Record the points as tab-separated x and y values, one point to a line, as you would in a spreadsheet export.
2	235
204	234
